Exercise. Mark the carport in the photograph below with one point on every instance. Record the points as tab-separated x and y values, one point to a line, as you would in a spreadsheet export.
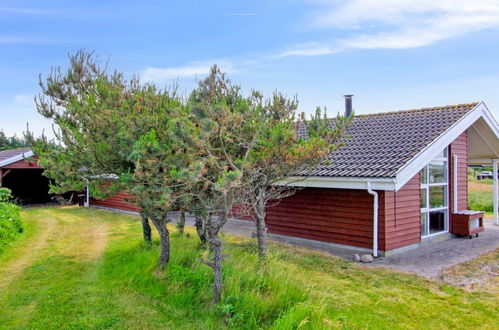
23	176
483	149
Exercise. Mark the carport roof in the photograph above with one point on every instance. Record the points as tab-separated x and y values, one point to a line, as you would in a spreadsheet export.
13	155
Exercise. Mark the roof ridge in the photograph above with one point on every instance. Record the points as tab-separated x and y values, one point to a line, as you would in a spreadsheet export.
442	107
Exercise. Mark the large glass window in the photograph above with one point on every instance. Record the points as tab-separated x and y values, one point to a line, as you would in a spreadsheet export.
434	195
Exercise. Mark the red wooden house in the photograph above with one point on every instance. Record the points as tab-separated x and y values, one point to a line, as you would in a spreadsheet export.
398	180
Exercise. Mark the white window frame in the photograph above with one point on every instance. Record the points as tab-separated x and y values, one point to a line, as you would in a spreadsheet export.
426	186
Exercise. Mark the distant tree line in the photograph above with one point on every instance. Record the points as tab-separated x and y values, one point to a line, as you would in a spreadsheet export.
12	142
209	153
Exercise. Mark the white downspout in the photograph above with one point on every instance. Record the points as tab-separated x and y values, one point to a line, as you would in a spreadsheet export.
375	219
454	182
496	193
87	202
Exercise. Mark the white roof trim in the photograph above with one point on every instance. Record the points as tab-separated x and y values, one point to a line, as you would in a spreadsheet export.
339	182
17	158
413	166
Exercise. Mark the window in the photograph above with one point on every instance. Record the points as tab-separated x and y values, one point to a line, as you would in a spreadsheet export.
438	197
437	171
434	195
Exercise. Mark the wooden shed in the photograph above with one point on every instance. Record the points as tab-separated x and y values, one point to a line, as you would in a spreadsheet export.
21	173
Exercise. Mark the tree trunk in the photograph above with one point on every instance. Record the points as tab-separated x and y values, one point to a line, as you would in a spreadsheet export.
146	228
216	246
164	237
201	229
212	228
261	227
181	223
261	235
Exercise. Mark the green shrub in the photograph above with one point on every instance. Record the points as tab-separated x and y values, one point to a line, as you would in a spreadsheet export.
5	195
10	219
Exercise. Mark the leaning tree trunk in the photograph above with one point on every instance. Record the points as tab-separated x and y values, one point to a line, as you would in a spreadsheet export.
164	237
146	228
201	229
216	246
181	223
212	229
261	227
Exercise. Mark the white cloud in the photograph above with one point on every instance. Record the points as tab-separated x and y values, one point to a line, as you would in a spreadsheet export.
398	24
308	49
187	71
24	99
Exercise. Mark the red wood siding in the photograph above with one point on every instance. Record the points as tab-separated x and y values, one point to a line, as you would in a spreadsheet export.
400	216
236	212
116	202
460	148
342	216
22	164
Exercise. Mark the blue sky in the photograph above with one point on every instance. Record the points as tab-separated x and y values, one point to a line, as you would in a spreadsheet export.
391	54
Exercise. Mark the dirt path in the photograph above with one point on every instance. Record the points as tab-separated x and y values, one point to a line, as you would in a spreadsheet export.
55	235
27	254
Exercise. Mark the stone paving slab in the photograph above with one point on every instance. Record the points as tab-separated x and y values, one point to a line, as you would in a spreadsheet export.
430	260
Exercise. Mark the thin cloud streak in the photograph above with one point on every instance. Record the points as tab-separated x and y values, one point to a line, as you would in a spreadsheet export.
308	49
190	70
31	40
241	14
24	11
14	40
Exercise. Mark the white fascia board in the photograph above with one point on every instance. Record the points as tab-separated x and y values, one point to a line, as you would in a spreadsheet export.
411	168
339	182
489	119
17	158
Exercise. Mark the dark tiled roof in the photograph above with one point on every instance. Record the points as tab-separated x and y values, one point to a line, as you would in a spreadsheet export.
380	144
6	154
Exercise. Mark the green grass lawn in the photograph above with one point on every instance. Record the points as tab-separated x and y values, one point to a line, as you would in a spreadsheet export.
481	195
80	268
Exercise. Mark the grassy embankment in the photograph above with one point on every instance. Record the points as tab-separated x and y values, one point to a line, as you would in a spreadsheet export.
79	268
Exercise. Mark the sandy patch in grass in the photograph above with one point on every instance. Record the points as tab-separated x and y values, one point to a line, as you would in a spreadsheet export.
479	274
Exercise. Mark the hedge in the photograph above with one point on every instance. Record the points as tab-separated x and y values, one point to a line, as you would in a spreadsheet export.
10	219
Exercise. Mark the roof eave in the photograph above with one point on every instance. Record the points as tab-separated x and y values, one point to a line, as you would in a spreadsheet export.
339	182
16	158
